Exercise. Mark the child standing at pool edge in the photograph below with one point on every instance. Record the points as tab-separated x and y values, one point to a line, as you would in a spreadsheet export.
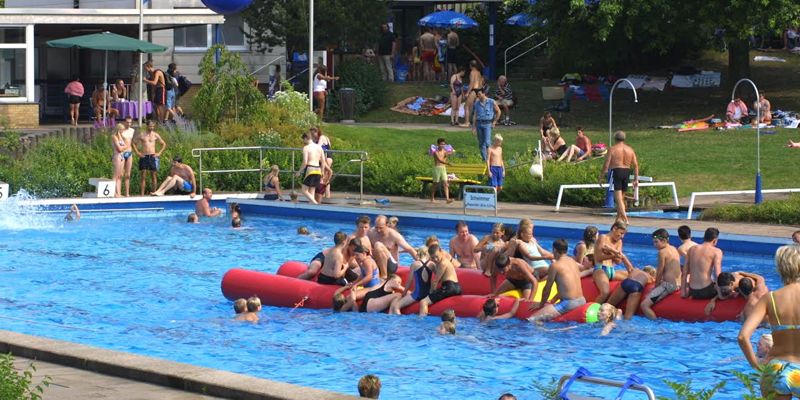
494	163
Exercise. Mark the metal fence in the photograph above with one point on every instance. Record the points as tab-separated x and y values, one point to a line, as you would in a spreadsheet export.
295	155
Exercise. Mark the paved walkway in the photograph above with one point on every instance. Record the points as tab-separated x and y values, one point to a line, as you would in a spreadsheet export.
73	383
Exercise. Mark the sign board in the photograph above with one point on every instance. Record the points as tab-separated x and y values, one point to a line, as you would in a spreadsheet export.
104	187
480	201
3	191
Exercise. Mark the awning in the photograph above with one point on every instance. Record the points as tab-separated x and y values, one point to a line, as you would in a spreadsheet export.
155	18
107	41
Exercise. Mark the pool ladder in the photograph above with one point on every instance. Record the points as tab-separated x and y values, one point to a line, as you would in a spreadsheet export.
633	383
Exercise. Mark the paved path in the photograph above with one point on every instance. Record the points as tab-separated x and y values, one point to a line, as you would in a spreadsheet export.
72	383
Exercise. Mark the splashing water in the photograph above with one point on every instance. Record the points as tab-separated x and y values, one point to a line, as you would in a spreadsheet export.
20	212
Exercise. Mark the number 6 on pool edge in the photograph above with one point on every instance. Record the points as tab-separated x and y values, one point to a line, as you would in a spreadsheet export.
106	192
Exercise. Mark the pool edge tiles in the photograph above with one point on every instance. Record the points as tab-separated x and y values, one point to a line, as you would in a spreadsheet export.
763	245
201	380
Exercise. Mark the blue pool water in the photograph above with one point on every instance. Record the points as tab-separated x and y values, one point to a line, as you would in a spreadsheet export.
148	283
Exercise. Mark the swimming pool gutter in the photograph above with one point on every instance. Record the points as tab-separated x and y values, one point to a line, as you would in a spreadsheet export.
571	230
157	371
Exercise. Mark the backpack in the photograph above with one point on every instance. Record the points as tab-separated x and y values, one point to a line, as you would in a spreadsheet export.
183	84
167	80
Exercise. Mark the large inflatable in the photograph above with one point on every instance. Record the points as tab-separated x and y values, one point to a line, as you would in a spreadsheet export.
285	290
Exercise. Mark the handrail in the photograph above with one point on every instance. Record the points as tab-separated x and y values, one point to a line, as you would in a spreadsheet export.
605	186
298	74
363	156
608	382
265	65
732	192
505	53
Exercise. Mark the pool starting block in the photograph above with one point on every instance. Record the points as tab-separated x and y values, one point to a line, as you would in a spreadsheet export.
104	188
3	191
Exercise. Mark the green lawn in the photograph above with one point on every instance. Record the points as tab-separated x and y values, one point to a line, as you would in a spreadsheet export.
696	161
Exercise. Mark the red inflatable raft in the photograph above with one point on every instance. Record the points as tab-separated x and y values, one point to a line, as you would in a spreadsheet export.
285	290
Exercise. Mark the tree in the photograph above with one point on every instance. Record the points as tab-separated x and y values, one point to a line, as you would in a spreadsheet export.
337	23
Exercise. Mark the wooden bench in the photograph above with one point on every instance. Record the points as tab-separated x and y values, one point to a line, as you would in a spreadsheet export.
465	175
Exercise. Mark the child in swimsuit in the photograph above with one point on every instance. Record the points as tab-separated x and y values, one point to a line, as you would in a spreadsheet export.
272	184
490	246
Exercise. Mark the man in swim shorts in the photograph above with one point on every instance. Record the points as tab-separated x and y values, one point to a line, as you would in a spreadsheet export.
444	274
329	263
703	265
157	83
518	276
566	274
148	155
393	241
632	288
668	273
607	255
312	168
739	283
462	247
439	175
620	160
181	177
427	46
203	206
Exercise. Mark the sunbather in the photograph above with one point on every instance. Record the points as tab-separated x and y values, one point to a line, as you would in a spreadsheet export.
737	111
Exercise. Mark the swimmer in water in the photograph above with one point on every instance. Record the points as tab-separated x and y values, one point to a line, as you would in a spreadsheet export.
253	308
240	307
236	222
193	218
447	328
74	214
302	230
489	312
608	315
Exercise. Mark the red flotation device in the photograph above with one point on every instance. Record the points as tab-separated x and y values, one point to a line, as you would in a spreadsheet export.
284	290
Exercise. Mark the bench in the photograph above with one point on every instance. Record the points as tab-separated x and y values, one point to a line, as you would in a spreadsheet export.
465	174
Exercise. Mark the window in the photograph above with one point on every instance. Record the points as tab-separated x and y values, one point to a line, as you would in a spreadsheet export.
16	64
201	37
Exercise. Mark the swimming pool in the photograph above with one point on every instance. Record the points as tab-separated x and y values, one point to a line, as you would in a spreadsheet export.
148	283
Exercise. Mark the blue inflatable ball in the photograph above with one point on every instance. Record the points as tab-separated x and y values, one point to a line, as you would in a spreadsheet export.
227	6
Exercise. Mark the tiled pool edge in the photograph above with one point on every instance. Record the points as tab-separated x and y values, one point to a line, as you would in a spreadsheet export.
636	234
158	371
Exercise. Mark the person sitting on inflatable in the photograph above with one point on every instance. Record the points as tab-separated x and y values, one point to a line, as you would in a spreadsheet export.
490	246
527	248
419	285
565	272
584	250
518	276
668	273
377	299
632	288
732	284
329	263
445	274
489	312
608	254
462	247
433	239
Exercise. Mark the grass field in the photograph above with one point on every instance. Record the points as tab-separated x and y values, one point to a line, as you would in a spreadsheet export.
696	161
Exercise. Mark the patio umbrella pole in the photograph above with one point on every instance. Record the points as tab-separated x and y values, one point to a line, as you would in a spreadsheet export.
140	109
105	89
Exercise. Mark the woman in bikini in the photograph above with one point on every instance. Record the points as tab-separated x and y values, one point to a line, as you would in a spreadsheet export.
490	246
584	250
476	81
119	146
782	309
272	184
526	247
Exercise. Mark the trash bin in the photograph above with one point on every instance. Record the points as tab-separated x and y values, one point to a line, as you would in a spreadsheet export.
347	103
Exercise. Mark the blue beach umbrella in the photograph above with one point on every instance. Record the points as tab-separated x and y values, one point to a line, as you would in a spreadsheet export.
447	19
521	19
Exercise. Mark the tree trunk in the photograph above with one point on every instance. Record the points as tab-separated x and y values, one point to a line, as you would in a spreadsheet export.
738	60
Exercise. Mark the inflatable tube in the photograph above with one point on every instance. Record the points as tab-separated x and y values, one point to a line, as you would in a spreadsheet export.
472	281
283	291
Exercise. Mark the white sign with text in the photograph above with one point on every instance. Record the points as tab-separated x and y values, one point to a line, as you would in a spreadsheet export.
480	201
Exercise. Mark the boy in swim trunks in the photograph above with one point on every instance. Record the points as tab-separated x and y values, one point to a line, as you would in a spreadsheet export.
566	274
495	164
518	276
668	273
439	176
329	263
632	288
239	307
685	234
445	274
608	254
703	265
733	284
314	163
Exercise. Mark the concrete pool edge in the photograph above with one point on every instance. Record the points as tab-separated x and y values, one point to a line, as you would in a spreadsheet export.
157	371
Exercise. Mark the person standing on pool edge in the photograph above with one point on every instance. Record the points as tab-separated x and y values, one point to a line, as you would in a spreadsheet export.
313	164
619	161
148	156
703	265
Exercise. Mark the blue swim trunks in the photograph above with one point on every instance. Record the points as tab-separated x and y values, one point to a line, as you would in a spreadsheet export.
608	270
498	176
566	305
187	186
787	380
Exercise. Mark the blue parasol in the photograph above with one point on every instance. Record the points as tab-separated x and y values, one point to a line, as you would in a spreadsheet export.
447	19
521	19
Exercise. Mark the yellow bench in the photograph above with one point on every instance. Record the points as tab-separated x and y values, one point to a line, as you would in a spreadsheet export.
465	174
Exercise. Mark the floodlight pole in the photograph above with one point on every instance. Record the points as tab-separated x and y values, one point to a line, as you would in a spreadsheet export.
140	109
610	191
759	197
311	56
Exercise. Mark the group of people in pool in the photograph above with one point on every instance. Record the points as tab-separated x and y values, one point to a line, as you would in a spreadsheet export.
365	262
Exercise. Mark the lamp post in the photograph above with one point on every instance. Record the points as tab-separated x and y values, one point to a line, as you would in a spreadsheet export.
311	56
610	191
140	5
759	197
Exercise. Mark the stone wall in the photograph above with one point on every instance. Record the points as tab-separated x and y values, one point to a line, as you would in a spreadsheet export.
20	115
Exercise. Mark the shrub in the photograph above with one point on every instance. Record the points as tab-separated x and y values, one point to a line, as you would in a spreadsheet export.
18	385
228	92
770	211
366	80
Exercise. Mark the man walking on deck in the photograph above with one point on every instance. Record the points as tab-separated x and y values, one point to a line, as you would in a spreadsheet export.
621	159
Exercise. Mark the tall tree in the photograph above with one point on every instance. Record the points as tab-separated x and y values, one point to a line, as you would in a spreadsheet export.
337	23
